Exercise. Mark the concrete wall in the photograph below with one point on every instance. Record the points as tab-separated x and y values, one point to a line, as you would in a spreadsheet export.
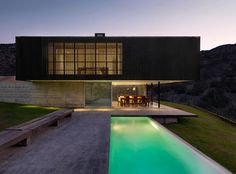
61	94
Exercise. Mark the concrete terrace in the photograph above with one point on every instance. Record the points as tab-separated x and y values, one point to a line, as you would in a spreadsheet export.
163	111
79	145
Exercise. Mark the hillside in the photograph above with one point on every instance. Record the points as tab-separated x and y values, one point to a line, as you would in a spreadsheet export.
7	59
216	89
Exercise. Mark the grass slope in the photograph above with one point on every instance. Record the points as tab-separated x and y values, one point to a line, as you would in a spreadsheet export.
12	114
208	133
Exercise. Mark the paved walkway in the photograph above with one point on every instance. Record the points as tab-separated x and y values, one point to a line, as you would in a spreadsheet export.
80	145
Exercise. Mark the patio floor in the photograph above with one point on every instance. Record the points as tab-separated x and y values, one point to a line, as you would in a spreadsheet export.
152	110
79	145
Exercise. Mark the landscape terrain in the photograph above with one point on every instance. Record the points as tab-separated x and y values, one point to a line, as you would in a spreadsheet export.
216	89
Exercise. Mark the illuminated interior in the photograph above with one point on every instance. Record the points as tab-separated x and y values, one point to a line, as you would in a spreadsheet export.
85	58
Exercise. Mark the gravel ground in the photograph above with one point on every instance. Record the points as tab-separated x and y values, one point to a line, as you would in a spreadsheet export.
79	145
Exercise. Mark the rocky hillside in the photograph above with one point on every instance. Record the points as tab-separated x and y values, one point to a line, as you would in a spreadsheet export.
216	89
7	59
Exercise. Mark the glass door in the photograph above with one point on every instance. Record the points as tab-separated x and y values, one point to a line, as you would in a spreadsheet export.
98	94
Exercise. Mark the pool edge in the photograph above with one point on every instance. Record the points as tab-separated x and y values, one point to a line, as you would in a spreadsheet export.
221	168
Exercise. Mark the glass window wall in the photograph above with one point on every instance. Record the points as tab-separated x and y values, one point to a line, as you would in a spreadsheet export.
84	58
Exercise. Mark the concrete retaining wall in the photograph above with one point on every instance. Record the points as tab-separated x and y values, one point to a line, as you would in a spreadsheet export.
60	94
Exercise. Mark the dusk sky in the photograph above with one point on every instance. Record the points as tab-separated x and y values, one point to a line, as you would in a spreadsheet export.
213	20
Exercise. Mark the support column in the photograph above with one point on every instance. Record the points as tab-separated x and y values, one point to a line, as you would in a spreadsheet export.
151	93
111	93
159	94
145	90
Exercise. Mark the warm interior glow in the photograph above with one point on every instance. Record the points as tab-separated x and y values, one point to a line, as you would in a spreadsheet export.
85	58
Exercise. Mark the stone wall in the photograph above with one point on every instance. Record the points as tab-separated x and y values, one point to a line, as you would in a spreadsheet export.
60	94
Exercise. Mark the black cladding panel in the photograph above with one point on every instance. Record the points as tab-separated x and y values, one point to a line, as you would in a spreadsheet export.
163	58
144	58
29	59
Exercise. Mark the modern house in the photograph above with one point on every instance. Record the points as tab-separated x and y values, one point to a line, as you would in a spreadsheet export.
88	71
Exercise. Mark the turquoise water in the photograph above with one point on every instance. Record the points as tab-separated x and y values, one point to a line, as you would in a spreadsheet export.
140	146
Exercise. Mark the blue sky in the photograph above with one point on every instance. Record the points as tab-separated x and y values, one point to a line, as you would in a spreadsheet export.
213	20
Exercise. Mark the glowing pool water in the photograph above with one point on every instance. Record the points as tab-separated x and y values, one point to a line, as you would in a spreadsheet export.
139	145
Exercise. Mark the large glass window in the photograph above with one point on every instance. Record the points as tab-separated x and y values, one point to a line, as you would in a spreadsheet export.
101	63
69	58
90	58
50	58
80	58
58	53
84	58
119	58
111	58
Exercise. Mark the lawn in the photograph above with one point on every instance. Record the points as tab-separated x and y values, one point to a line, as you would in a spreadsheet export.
208	133
12	114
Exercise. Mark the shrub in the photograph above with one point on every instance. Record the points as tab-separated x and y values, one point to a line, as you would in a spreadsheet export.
216	84
180	89
164	88
196	89
215	98
232	110
231	85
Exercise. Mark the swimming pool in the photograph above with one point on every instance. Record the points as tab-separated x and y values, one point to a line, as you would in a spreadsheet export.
139	145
